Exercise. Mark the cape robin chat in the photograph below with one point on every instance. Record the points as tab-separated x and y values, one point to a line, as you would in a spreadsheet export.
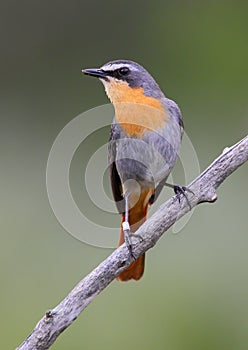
145	140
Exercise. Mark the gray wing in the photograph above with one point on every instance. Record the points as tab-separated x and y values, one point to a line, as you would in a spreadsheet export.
175	112
114	176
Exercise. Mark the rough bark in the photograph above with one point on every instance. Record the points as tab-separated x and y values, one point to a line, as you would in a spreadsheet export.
203	187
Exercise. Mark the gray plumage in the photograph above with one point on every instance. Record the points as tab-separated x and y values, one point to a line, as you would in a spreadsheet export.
150	159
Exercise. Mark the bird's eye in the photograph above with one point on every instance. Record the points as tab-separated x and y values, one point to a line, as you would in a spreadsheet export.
124	71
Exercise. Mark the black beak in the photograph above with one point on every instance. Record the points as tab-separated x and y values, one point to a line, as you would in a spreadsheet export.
95	72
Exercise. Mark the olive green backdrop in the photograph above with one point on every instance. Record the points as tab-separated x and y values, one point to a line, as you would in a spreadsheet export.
194	294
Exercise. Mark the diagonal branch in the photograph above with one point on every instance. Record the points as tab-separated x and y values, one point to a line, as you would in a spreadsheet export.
204	190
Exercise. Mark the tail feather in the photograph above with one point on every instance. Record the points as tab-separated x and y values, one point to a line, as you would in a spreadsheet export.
134	271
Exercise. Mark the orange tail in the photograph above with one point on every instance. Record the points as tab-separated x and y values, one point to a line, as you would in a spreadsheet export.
137	216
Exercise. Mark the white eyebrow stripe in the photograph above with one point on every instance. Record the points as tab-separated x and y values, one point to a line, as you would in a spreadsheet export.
115	66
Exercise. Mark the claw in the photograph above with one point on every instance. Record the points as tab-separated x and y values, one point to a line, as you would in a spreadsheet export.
127	238
136	236
181	190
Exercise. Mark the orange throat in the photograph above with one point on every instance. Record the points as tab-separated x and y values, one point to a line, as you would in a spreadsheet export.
134	110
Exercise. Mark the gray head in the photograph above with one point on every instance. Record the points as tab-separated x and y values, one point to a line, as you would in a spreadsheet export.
125	72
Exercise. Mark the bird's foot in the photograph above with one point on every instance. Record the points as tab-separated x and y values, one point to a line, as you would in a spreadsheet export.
181	190
127	238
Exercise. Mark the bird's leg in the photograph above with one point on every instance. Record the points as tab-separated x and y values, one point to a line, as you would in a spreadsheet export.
180	190
126	229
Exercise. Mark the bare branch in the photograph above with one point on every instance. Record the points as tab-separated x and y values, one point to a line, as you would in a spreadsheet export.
204	188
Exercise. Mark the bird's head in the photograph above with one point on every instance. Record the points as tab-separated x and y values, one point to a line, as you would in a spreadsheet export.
126	81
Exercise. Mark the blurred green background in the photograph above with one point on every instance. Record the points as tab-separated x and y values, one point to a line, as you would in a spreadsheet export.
194	294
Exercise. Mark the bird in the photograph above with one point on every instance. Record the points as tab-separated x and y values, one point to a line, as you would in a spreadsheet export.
145	140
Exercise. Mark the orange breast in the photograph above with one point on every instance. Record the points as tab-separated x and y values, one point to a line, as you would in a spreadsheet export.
134	110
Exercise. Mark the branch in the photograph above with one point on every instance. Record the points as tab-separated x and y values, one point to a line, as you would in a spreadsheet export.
204	190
